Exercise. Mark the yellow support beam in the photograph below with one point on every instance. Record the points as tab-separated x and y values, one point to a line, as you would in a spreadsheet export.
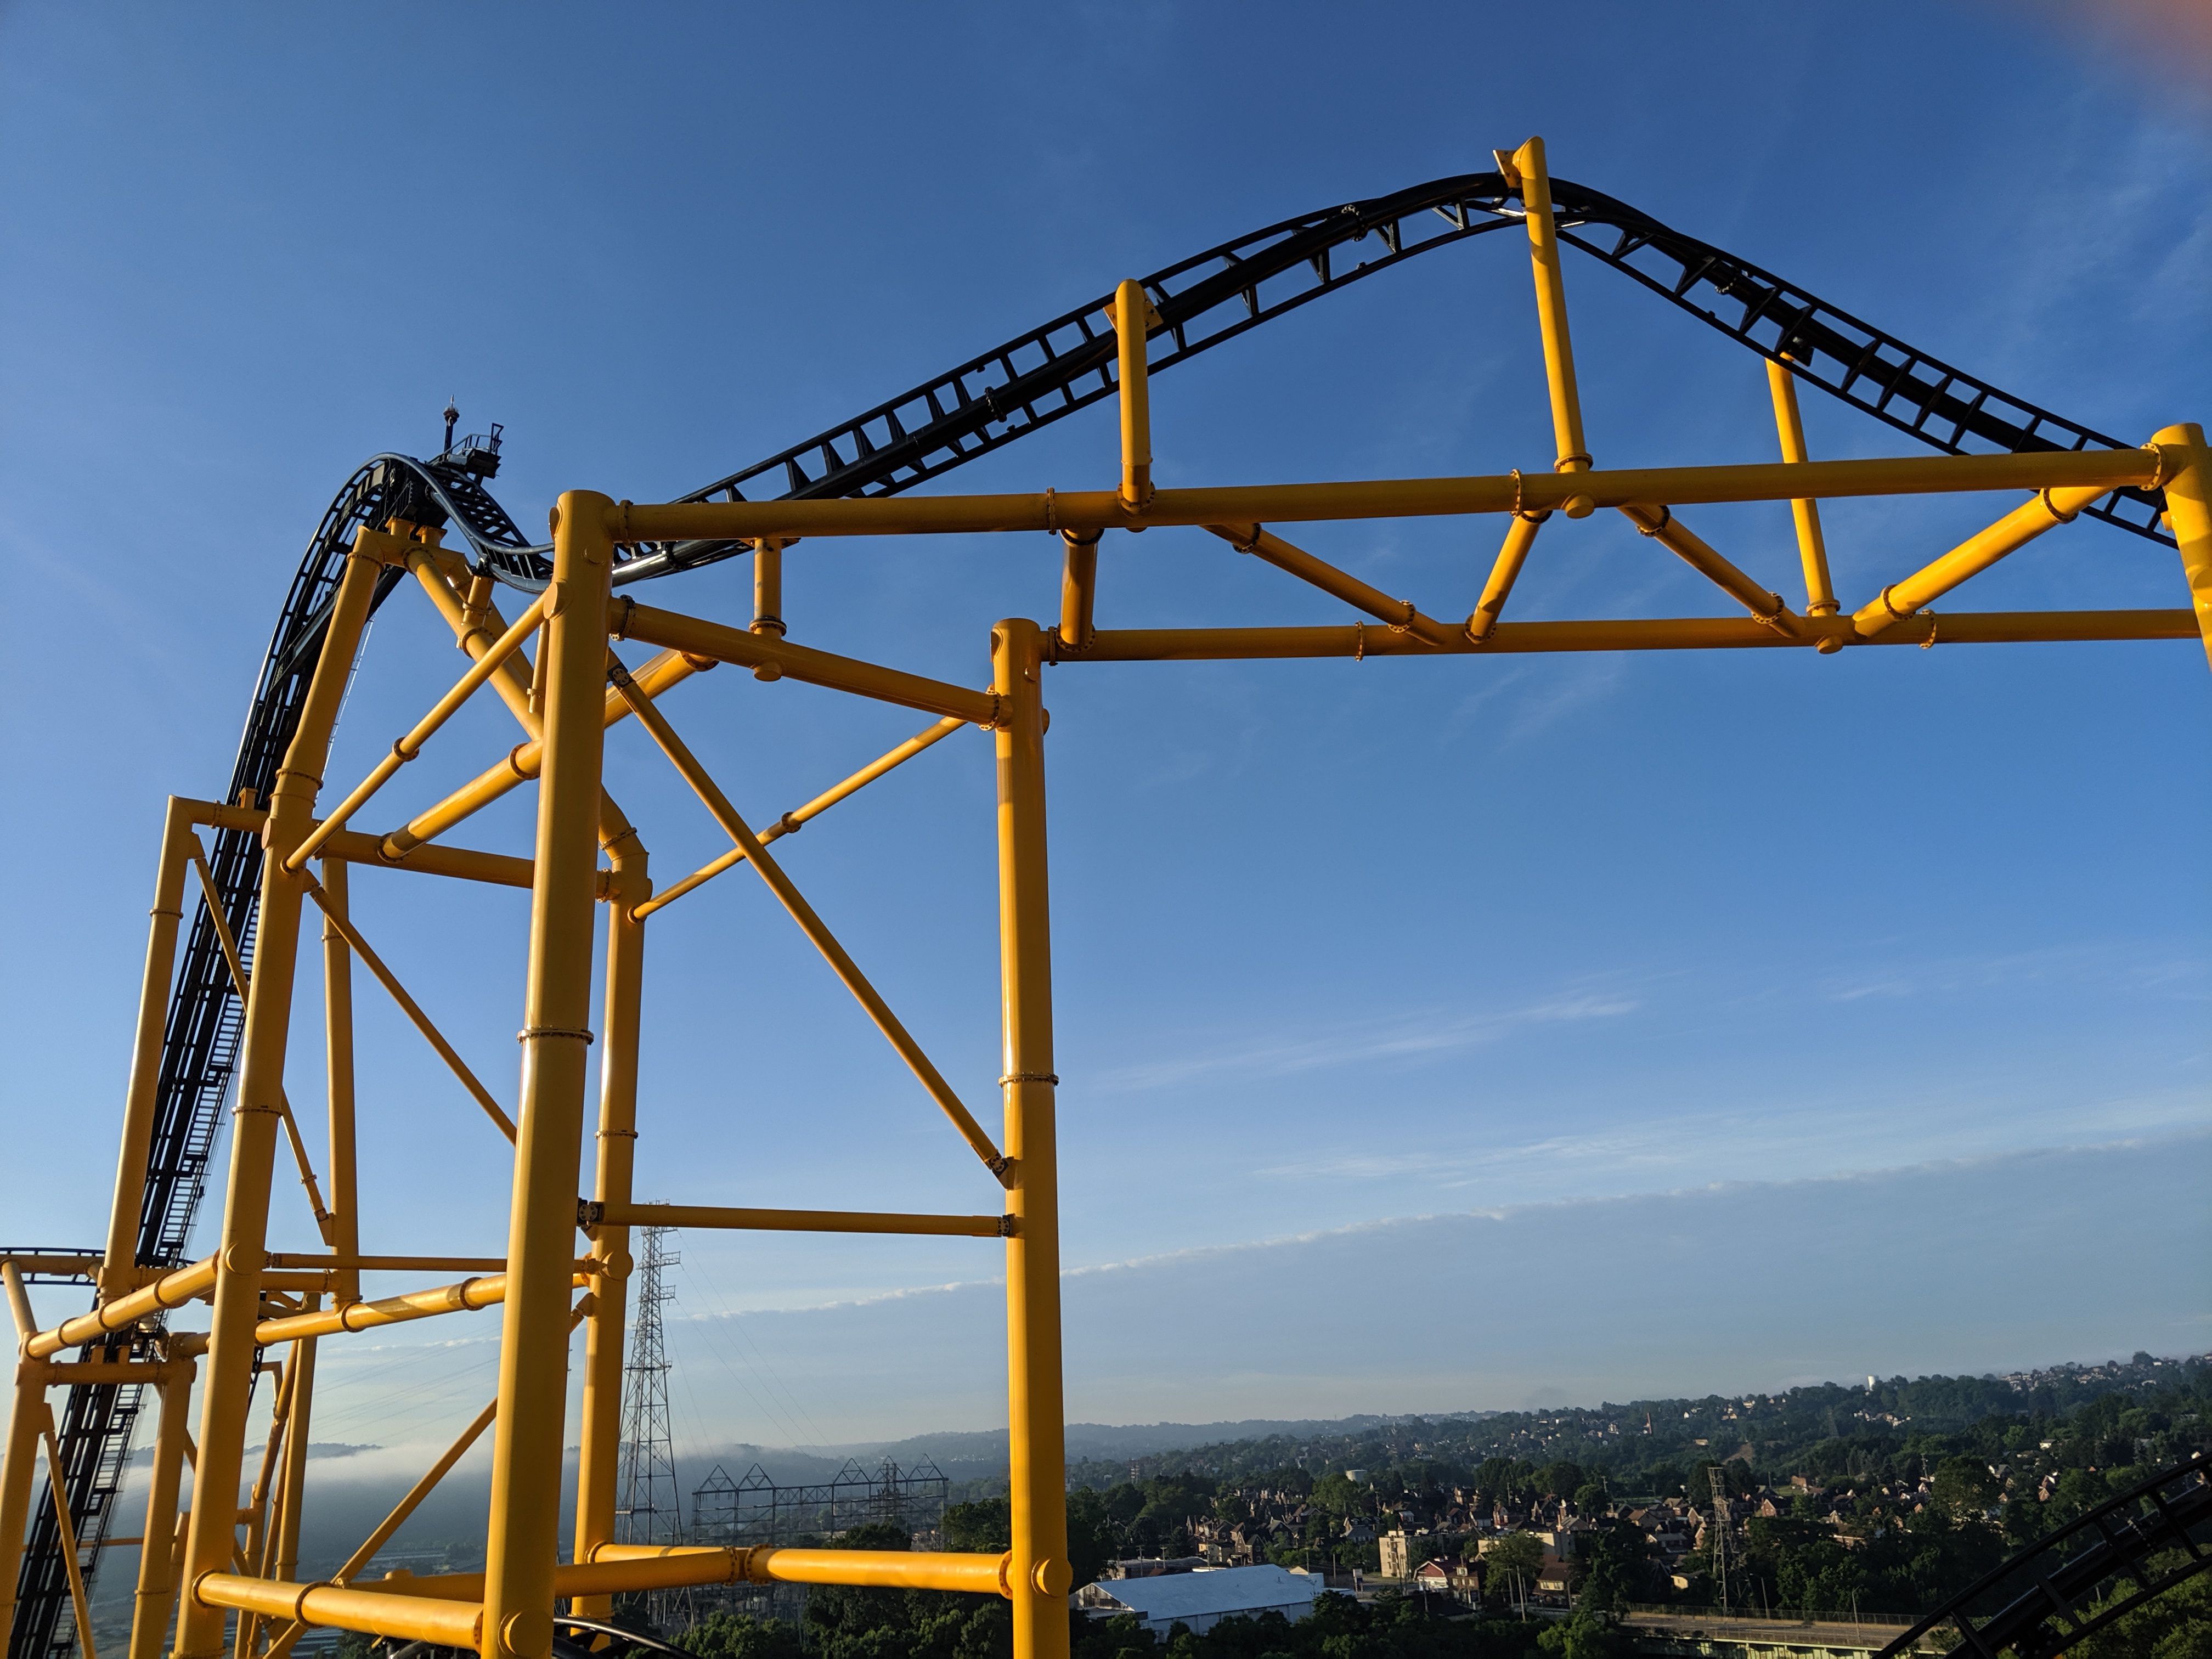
1526	171
809	923
533	1369
2049	509
1385	498
605	1218
1038	1575
1635	634
791	822
1811	544
2189	511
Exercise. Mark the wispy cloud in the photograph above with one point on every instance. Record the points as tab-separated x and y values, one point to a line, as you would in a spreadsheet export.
1408	1036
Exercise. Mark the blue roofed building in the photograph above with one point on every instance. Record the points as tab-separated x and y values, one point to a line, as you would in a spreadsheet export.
1202	1600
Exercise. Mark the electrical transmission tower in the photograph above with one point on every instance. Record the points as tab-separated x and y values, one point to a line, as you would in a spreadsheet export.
648	1505
1720	1534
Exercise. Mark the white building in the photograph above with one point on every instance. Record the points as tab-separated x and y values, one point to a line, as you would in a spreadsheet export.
1200	1600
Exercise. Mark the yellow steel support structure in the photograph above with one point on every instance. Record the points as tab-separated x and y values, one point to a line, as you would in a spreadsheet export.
237	1308
554	669
525	1471
1038	1578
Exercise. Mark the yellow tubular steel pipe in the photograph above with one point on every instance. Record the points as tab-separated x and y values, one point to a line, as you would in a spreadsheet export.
407	748
768	591
408	1005
157	1584
18	1454
524	1533
621	1569
1812	545
293	1484
1520	536
811	924
791	821
1079	588
360	1560
1526	168
315	1205
118	1269
237	1304
386	1264
404	1618
471	621
1640	634
1132	315
170	1290
1398	613
1388	498
612	1215
693	636
2047	511
414	842
338	1076
887	1569
466	1297
1038	1575
2189	511
462	863
1670	532
599	1453
257	1515
422	1489
59	1489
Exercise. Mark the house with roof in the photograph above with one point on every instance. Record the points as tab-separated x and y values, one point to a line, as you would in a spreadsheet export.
1202	1600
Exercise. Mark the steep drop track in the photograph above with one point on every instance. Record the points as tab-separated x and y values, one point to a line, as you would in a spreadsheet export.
987	402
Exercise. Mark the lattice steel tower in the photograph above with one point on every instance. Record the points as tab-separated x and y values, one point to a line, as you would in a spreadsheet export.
1720	1520
649	1507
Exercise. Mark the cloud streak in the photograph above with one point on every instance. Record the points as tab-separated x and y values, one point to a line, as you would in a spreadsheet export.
1412	1036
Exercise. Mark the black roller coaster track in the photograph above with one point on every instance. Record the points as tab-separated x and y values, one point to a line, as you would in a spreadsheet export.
1033	380
2084	1575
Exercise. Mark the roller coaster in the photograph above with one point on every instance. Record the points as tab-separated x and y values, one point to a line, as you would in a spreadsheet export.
214	1015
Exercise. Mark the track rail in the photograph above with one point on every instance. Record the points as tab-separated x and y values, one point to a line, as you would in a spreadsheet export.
1038	377
2047	1598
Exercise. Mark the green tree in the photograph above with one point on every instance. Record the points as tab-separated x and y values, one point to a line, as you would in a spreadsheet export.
735	1636
1586	1634
2175	1625
1963	1489
1510	1565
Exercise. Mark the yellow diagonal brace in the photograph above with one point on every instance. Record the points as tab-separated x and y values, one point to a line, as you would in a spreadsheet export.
239	979
790	822
811	925
408	1005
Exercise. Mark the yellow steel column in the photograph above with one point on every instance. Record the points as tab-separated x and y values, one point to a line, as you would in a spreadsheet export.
1812	545
291	1489
231	1342
119	1269
1525	169
597	1458
2189	510
337	1047
1132	315
768	609
1079	588
541	1251
1037	1433
19	1458
157	1583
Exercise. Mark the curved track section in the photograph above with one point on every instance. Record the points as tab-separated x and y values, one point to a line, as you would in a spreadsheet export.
1031	380
2081	1577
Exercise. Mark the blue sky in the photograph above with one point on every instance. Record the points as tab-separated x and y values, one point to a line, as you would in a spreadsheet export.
1434	1035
